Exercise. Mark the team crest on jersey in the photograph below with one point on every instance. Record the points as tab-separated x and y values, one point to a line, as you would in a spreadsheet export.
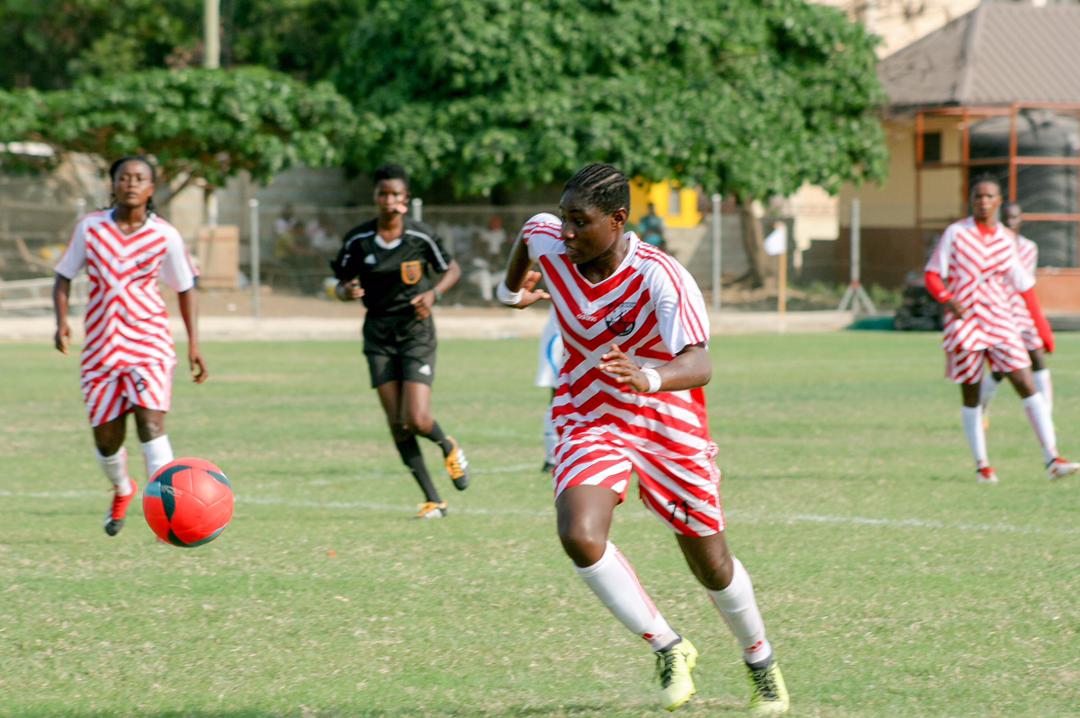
616	320
411	272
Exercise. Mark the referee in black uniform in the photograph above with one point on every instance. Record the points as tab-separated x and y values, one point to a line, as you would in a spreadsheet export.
400	269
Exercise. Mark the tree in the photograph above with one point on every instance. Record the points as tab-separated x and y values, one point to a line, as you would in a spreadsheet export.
750	98
201	124
49	44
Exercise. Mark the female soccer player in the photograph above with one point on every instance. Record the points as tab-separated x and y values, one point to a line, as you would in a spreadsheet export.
128	356
629	399
389	262
974	271
1040	373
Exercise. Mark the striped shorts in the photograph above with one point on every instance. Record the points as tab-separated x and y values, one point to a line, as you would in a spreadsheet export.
1005	358
115	392
683	492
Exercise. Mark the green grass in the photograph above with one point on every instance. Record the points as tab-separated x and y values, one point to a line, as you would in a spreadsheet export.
891	584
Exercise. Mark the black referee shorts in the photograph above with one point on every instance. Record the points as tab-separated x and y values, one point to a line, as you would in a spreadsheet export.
400	348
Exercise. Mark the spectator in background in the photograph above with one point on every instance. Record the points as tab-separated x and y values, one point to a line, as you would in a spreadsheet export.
651	228
493	238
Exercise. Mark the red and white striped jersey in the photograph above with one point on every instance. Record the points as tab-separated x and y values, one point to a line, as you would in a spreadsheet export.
982	272
1028	252
652	308
126	322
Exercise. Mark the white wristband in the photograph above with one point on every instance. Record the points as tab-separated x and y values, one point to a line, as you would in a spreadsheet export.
504	295
654	379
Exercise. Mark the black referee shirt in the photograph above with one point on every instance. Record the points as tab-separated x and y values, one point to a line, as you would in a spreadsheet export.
391	277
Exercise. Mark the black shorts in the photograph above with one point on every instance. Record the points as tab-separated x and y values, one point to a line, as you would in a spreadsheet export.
400	348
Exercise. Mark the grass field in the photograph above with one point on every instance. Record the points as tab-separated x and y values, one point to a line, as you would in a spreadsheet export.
892	585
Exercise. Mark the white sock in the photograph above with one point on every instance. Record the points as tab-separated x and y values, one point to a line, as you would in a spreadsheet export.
115	468
976	435
1042	383
550	437
157	453
614	582
739	610
1039	415
987	389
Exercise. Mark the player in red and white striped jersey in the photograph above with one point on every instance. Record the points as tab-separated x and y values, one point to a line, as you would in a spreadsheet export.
128	355
630	400
974	271
1028	252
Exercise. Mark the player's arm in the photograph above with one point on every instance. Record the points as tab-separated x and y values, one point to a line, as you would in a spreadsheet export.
189	313
518	289
936	286
61	300
689	369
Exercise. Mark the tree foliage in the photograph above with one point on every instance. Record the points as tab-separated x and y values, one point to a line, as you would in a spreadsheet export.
49	44
209	124
745	97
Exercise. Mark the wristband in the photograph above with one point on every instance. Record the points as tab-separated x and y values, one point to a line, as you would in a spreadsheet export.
504	295
654	379
437	293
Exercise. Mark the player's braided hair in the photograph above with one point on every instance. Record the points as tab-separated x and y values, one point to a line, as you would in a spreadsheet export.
114	168
391	172
602	186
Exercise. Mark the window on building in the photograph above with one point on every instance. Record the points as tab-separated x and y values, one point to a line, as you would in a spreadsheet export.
931	147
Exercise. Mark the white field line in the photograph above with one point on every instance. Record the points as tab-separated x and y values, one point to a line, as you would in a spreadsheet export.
911	523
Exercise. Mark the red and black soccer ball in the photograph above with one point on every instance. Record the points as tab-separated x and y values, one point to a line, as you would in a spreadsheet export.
188	502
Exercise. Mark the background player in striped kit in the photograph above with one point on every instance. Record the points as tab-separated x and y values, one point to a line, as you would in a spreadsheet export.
128	357
390	262
635	332
549	361
974	271
1029	259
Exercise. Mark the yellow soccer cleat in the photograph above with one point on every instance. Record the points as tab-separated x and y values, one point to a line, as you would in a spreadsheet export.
673	667
457	466
431	510
768	694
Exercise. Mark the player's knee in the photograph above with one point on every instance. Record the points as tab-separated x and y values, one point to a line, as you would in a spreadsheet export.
400	432
420	423
582	544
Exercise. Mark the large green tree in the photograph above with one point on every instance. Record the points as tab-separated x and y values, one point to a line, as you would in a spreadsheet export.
49	44
200	124
750	98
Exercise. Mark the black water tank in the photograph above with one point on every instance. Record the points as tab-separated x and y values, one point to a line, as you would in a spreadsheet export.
1041	189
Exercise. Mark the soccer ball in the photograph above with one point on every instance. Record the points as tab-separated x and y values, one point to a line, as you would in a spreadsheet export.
188	502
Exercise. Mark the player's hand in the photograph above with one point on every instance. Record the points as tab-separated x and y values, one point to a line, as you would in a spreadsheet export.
956	309
1048	341
349	291
62	338
423	303
618	364
199	374
530	294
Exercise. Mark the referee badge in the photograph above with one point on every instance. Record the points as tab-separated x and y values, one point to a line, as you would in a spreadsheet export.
411	272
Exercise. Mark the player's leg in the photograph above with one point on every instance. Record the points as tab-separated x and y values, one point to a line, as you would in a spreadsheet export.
732	592
156	448
107	405
390	396
967	370
418	374
1040	373
988	388
583	514
550	437
1038	413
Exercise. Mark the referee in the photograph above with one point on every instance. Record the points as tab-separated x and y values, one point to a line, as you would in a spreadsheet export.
400	269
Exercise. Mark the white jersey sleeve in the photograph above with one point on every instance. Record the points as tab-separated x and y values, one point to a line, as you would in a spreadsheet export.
681	316
542	235
74	258
1021	278
176	270
939	258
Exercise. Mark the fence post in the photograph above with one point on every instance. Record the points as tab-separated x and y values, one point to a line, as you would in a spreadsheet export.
255	242
418	209
717	254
